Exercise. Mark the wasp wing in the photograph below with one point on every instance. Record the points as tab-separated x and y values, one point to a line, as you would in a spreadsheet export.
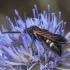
51	36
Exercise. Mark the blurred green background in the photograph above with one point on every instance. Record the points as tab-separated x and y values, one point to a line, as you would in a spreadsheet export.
7	9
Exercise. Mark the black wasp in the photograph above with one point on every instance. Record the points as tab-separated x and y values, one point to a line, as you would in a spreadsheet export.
53	41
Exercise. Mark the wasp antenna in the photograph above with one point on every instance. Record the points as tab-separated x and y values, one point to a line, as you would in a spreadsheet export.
9	32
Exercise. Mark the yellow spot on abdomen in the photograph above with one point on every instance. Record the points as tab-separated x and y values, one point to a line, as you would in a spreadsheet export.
47	40
51	44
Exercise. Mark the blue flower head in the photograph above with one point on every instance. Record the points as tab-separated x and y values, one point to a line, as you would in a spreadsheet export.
19	51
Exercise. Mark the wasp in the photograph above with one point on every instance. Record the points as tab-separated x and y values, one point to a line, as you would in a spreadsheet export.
53	41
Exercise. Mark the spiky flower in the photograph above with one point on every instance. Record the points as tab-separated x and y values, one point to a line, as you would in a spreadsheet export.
21	52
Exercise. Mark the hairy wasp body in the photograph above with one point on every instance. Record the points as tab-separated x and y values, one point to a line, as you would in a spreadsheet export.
53	41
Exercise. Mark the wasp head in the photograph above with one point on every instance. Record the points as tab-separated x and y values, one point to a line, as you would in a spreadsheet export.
31	30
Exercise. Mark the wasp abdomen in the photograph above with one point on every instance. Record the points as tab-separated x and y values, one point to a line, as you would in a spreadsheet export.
54	47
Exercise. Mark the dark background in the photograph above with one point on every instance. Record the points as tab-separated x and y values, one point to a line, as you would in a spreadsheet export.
7	9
